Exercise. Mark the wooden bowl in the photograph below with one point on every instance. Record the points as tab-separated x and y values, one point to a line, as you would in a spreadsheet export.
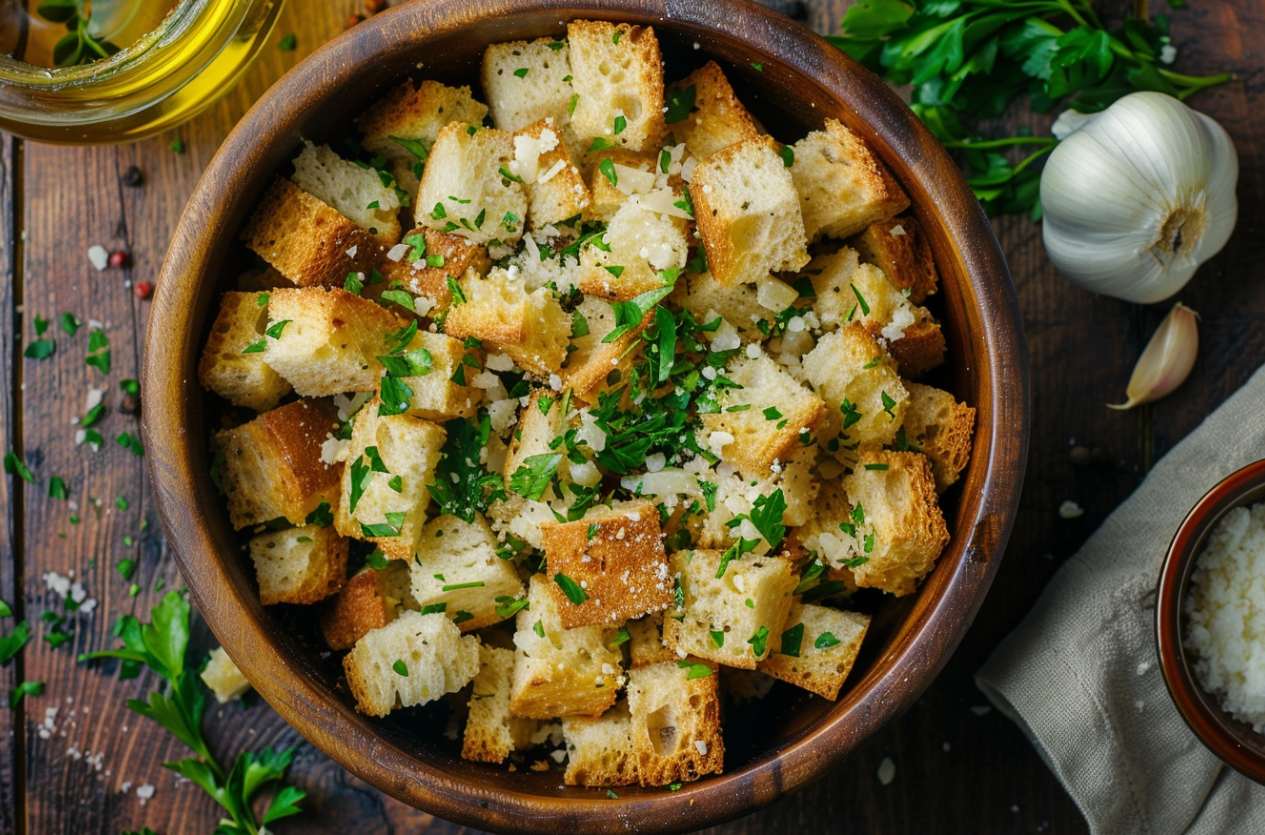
1232	740
791	737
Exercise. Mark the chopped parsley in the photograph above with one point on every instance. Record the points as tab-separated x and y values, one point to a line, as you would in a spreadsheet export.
570	588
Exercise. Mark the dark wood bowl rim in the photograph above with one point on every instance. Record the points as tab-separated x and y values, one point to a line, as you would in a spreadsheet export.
1198	708
988	502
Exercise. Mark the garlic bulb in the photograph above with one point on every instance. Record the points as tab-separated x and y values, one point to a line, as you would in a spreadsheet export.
1139	196
1166	360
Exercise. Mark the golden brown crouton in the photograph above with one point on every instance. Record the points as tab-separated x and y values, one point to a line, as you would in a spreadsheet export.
530	326
298	565
645	641
491	733
599	749
463	189
555	187
451	255
718	119
458	572
675	722
941	427
617	73
526	81
606	197
843	187
591	365
435	657
228	368
369	599
898	246
827	642
865	400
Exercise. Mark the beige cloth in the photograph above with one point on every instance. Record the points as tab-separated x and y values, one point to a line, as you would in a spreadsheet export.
1081	676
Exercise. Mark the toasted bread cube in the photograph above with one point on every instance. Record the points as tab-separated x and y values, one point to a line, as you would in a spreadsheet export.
737	304
540	423
642	244
825	531
371	598
330	341
898	494
306	240
615	557
529	325
675	723
764	422
457	568
607	197
555	187
921	346
350	190
645	642
898	246
390	462
436	396
437	658
592	362
243	379
941	427
521	518
865	399
456	256
298	565
748	213
559	671
463	190
600	749
617	72
718	119
492	733
842	185
829	641
223	677
272	465
414	113
718	607
527	81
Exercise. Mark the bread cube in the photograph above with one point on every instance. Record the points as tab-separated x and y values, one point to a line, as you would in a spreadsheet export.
765	421
593	361
492	733
727	619
530	326
369	599
350	189
390	463
463	190
241	378
436	396
675	723
272	467
559	671
748	213
555	187
645	642
526	81
898	246
539	425
606	196
831	532
617	72
941	428
739	304
897	493
521	518
457	568
414	113
306	240
222	676
865	399
615	557
843	187
829	641
736	495
453	257
435	656
718	119
921	345
298	565
642	244
600	749
330	341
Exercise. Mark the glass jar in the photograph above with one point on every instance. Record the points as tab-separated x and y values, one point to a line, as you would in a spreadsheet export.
164	78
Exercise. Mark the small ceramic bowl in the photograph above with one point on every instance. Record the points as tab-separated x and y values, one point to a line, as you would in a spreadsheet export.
1233	741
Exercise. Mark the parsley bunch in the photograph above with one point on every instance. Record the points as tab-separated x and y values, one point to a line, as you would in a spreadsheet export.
966	60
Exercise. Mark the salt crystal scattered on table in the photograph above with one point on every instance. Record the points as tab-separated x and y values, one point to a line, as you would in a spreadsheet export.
144	792
98	257
1071	510
886	771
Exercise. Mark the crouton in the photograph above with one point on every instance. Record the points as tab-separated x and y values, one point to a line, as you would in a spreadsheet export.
739	304
898	246
765	421
717	119
298	565
831	530
439	394
642	244
369	599
558	671
443	257
463	190
272	467
491	732
350	190
229	367
307	241
941	427
594	363
617	78
748	213
843	187
637	169
540	423
608	566
530	326
865	400
828	643
555	187
457	572
921	346
600	749
413	660
222	676
521	518
716	621
675	723
527	81
390	462
645	641
325	340
897	493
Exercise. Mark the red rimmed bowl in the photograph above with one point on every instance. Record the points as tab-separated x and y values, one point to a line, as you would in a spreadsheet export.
794	737
1234	741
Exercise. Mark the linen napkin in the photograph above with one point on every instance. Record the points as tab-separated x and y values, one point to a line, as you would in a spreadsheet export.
1081	675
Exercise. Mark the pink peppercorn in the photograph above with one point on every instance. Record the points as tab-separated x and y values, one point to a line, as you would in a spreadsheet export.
118	259
143	289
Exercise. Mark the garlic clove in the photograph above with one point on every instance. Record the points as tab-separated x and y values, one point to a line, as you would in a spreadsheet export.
1167	359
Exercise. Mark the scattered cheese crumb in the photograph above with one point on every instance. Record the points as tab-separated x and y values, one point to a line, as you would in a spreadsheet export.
886	771
1071	510
98	257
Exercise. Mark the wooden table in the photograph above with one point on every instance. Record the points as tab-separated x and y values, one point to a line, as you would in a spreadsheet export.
959	767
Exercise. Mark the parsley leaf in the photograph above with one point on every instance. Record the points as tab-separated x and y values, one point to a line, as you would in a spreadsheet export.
570	588
462	488
534	475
